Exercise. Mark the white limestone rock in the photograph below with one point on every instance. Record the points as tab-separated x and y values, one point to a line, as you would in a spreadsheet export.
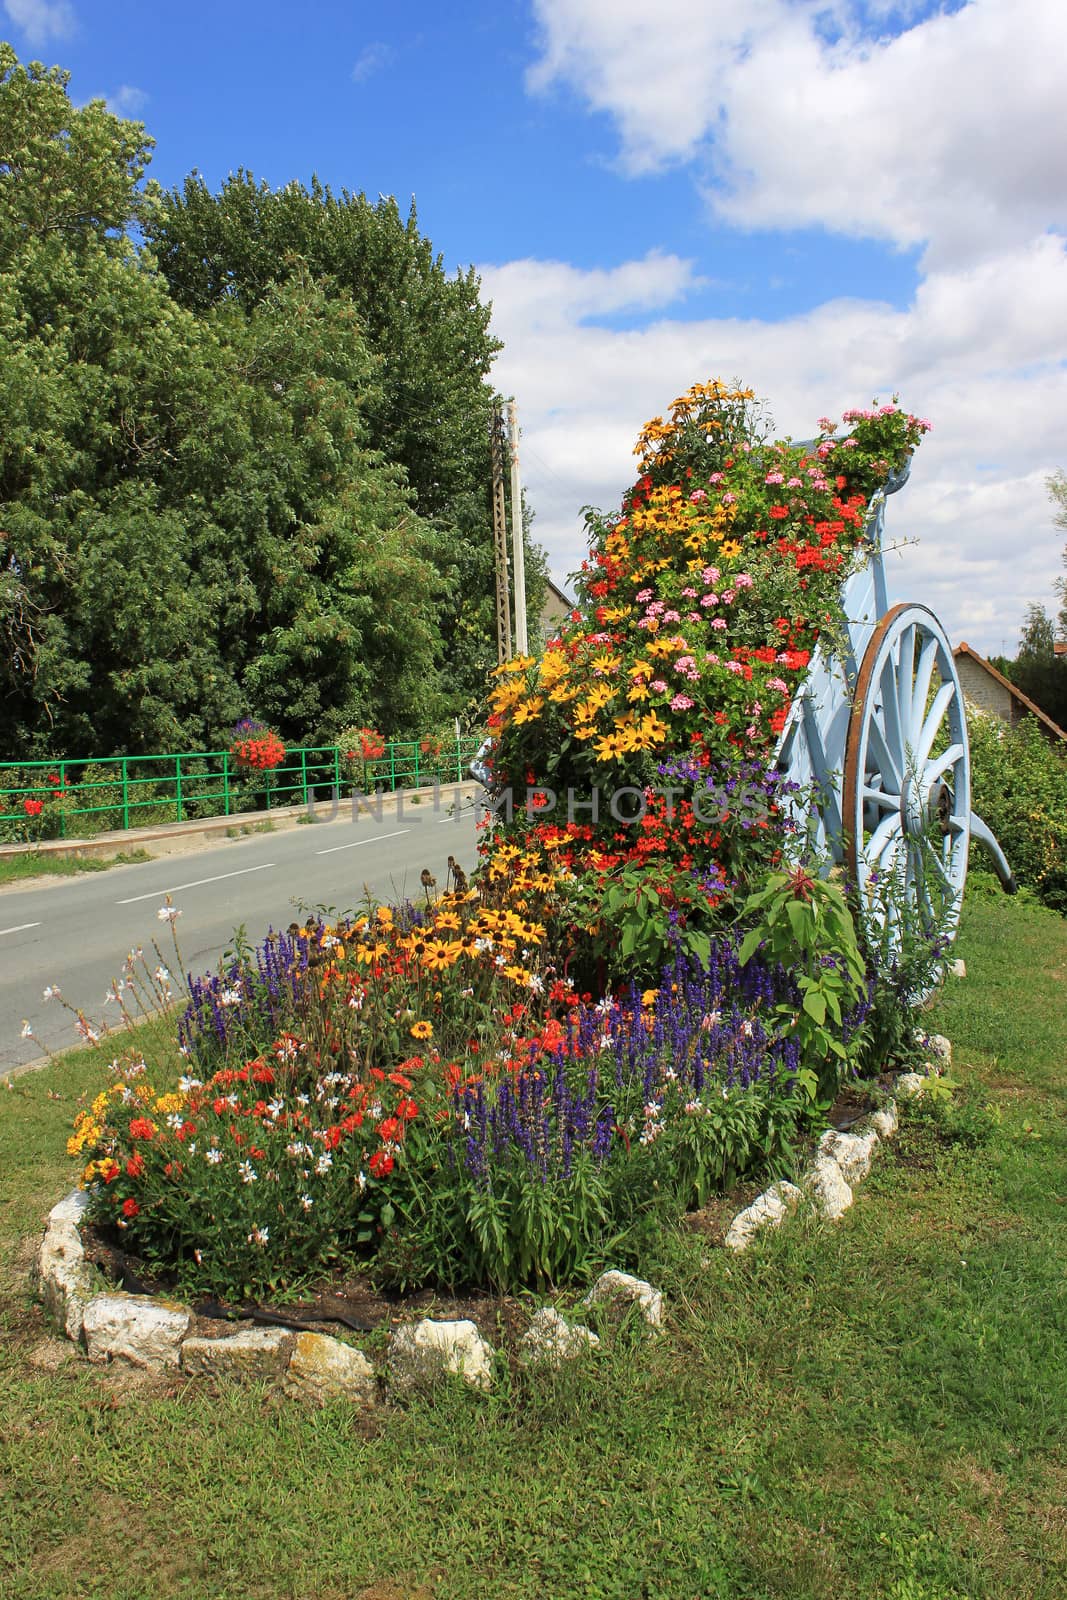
851	1151
251	1355
423	1352
827	1188
65	1281
910	1086
886	1121
71	1209
551	1340
940	1048
623	1290
768	1210
145	1332
957	969
321	1369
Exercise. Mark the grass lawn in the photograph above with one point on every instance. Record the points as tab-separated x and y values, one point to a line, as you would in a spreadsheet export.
873	1409
36	864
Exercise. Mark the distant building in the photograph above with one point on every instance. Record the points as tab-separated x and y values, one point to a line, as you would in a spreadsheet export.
989	690
558	606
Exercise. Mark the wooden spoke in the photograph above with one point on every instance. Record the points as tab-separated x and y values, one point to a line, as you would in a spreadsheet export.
891	787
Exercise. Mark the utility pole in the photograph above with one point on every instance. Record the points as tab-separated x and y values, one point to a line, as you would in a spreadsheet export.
500	540
518	555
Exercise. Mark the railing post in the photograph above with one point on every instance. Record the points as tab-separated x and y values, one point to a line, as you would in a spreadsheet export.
459	760
225	783
63	786
415	747
304	774
337	769
125	797
178	786
392	765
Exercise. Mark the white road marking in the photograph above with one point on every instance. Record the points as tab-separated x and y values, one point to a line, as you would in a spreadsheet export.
20	929
157	894
357	842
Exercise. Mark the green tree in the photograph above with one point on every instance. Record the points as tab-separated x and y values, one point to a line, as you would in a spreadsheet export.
63	173
192	522
1037	670
431	407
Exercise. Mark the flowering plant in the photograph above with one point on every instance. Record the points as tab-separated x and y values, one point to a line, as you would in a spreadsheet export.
255	748
504	1147
365	744
701	604
278	1159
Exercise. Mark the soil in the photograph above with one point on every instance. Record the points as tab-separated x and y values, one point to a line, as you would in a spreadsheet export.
714	1218
345	1303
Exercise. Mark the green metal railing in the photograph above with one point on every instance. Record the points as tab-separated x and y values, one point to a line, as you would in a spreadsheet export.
137	791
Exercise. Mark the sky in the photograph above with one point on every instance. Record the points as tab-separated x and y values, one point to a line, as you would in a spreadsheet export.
833	202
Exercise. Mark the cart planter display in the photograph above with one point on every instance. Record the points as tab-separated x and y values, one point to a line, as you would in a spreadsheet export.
888	751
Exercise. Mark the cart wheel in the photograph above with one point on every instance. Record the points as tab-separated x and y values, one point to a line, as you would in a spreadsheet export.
907	792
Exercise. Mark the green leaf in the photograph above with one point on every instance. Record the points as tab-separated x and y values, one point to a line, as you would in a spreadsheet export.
814	1003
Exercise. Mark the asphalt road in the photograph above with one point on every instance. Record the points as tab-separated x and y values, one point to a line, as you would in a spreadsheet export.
76	932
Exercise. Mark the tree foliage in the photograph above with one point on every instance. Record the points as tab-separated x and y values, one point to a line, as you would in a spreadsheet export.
430	408
225	487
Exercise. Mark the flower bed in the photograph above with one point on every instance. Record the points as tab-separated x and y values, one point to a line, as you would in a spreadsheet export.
624	1013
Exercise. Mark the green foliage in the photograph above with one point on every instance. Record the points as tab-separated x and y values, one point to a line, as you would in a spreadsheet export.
428	333
1037	670
803	922
906	954
1019	787
63	175
269	501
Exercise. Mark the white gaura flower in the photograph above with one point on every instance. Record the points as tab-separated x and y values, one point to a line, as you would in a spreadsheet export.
27	1030
247	1172
259	1236
306	1201
324	1163
213	1157
230	997
52	992
167	913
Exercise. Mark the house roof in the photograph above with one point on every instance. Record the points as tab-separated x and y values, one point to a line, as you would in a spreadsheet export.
564	599
964	649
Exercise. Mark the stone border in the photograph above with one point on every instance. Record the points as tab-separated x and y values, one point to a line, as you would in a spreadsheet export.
842	1160
153	1333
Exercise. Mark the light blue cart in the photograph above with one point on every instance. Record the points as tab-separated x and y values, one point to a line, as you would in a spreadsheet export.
879	732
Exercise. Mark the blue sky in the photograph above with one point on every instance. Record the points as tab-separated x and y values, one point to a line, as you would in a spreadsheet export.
820	198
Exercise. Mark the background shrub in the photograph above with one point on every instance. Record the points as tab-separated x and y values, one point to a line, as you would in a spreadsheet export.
1019	787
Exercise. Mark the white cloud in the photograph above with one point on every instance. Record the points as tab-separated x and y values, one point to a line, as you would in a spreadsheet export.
41	20
981	350
952	132
372	58
127	101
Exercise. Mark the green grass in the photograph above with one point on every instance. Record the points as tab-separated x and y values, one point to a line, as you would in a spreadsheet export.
876	1410
36	864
